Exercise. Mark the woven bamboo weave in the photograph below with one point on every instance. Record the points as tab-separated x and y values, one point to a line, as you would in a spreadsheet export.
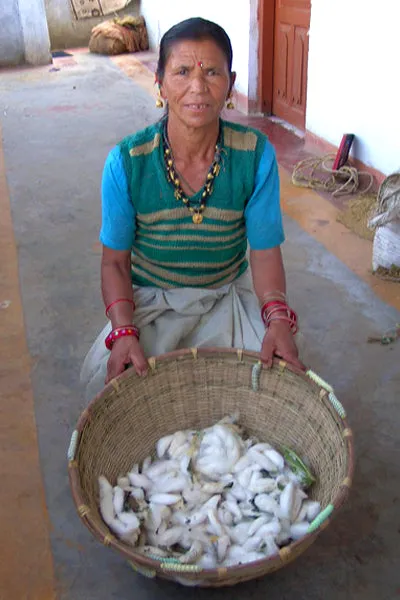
194	389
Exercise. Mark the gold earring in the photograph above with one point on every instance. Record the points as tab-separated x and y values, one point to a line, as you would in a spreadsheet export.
159	101
230	105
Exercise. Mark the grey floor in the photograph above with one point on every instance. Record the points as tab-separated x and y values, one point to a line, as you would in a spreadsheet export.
58	128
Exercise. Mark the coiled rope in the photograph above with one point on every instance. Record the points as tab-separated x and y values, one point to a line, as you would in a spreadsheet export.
318	174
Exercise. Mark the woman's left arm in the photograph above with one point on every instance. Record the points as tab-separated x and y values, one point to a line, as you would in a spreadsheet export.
269	277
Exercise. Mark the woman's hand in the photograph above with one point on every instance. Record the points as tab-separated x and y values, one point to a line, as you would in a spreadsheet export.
279	341
126	351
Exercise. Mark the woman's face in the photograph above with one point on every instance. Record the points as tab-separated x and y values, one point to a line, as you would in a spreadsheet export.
196	82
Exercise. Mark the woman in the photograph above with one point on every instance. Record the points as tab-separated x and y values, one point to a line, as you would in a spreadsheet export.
182	200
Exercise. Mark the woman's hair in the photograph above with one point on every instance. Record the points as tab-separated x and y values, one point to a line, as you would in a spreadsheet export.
193	29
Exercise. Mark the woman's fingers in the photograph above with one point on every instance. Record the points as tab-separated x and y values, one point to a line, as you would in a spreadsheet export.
267	352
139	361
114	367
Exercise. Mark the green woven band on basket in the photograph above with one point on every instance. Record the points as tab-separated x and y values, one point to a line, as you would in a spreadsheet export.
72	445
321	382
178	568
150	573
255	376
165	559
321	518
337	405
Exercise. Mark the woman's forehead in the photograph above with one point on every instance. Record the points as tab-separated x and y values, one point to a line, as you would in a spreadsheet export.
189	51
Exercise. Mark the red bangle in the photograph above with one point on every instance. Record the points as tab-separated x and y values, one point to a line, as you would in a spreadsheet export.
119	332
119	300
274	306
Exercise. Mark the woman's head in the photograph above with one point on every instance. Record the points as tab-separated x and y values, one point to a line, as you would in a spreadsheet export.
194	71
194	29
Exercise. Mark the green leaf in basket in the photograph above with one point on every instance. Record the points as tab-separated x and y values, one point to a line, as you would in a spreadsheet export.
298	467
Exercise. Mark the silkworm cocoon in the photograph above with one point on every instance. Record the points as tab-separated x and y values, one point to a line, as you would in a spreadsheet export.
276	458
207	561
166	499
287	500
240	533
241	464
270	547
215	526
299	530
260	485
273	528
262	460
193	554
167	484
255	526
225	517
123	483
223	544
213	487
239	492
160	468
199	533
232	505
106	500
253	543
302	514
129	519
146	464
239	556
179	517
171	536
261	447
135	468
163	528
266	504
163	445
244	477
140	480
178	440
198	517
138	494
118	499
298	500
157	513
153	550
313	509
212	503
184	464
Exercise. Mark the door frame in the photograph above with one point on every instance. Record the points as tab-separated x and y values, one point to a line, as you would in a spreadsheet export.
266	55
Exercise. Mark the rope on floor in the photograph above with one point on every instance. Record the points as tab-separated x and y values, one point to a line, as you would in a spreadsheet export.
318	174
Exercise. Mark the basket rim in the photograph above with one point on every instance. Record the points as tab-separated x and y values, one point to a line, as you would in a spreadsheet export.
108	539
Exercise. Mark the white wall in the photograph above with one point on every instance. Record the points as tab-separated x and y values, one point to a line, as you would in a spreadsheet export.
233	17
35	32
353	77
24	36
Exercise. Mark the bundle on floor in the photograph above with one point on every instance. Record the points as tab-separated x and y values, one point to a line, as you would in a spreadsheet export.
117	36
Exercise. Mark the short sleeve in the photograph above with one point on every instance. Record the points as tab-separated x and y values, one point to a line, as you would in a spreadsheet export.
118	213
263	212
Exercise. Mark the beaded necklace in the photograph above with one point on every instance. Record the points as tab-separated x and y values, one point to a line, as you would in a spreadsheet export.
172	176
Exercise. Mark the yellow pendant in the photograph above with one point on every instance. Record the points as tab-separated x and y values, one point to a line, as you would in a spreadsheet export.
197	218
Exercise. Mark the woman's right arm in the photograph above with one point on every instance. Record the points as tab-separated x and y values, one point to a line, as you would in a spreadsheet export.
117	236
116	283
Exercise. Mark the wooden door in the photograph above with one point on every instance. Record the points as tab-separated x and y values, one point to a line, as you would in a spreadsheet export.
292	22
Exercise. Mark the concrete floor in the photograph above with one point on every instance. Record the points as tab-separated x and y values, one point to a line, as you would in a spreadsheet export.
57	128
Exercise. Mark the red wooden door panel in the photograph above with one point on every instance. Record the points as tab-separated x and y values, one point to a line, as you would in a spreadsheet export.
292	21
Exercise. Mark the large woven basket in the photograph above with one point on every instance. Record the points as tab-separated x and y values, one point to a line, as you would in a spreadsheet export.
193	389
